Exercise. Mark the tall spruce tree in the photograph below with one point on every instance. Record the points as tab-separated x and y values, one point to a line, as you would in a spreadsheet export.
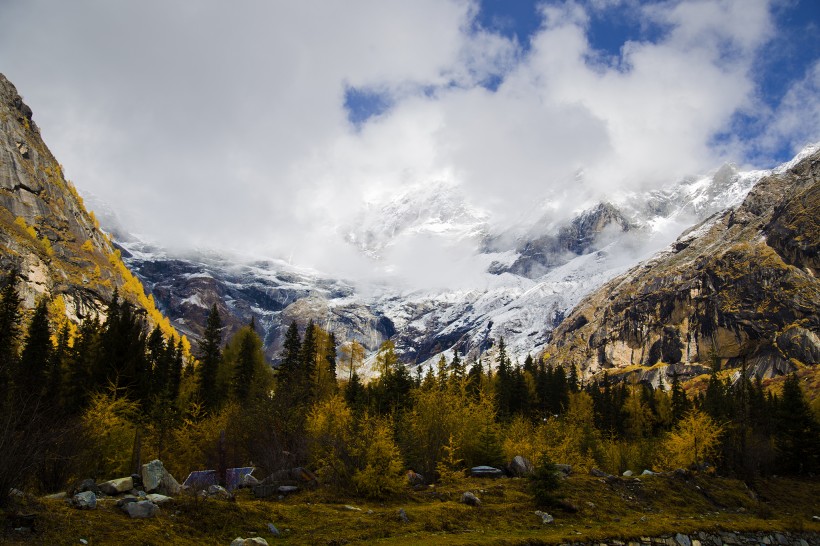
9	333
35	360
798	433
209	358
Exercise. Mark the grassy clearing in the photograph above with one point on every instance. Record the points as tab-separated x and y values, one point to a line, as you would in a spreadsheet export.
616	509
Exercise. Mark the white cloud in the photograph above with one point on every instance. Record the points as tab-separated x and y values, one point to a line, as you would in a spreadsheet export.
224	125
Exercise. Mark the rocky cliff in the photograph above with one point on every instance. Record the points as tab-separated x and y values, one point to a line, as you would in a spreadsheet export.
47	233
741	288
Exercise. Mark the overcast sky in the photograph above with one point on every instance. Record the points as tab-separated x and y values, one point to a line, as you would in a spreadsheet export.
263	126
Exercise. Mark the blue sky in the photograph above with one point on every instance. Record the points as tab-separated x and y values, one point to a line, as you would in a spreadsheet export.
779	62
291	121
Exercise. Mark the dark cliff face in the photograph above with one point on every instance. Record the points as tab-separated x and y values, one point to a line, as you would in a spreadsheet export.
580	236
265	292
47	234
739	289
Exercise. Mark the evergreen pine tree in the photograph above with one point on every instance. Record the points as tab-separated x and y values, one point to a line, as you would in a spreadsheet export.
680	404
175	357
35	360
457	367
9	333
246	363
84	355
209	359
290	357
504	387
330	356
474	375
798	433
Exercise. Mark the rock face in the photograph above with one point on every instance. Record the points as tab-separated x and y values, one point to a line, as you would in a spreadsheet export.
47	234
741	287
531	278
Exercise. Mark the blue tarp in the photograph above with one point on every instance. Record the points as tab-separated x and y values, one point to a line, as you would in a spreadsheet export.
201	479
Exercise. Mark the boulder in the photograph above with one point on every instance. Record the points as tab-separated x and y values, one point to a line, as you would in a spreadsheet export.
403	516
545	518
470	499
253	541
485	472
156	479
141	509
116	487
627	474
648	472
85	500
287	489
520	466
273	530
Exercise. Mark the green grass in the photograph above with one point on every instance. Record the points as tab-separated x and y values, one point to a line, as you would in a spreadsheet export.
618	509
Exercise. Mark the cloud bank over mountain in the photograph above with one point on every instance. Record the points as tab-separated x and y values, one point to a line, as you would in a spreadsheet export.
265	127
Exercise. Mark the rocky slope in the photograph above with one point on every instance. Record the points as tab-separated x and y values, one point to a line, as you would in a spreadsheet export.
47	233
530	281
739	289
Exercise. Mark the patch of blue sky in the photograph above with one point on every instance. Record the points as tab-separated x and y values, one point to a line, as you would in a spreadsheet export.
362	104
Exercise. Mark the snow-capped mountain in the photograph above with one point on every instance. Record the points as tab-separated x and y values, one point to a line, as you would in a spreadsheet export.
520	286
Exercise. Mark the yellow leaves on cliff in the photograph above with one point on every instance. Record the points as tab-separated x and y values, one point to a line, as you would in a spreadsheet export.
58	317
88	246
20	221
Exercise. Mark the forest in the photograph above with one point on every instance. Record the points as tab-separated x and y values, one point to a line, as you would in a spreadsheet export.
95	399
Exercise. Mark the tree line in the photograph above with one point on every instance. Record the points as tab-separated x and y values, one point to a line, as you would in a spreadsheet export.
90	399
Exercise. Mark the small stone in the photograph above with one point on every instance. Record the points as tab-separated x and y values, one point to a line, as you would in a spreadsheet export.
253	541
683	540
627	474
273	530
545	518
470	499
287	489
83	541
815	518
352	508
648	473
403	516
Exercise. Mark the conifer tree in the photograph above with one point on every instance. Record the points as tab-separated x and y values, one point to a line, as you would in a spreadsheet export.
457	367
35	360
175	357
798	433
474	377
249	360
209	359
680	404
84	355
330	357
504	387
290	357
9	333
